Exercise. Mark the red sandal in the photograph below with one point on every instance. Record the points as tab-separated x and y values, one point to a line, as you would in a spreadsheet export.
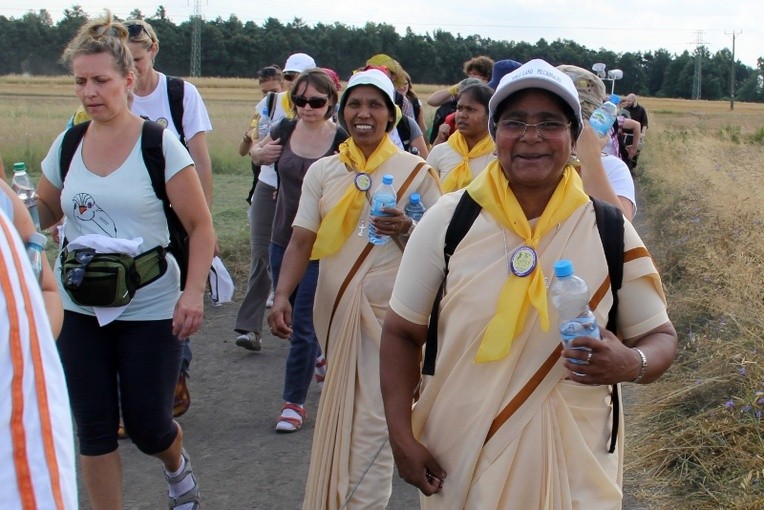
291	419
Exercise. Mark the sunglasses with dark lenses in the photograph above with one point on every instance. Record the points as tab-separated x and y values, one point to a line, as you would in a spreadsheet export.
314	102
290	75
135	30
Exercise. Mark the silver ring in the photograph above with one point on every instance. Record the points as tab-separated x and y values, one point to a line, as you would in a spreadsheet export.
589	357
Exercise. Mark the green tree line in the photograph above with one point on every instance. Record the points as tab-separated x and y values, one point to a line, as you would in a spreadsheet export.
231	48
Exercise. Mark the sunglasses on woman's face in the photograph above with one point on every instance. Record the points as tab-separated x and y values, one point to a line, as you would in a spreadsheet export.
135	30
314	102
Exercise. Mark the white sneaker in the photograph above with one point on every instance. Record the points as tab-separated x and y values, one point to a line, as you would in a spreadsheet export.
250	341
269	301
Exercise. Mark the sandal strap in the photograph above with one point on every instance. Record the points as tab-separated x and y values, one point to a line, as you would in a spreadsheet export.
192	496
294	407
183	474
295	422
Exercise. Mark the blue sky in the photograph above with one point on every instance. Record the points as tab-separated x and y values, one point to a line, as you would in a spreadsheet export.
620	27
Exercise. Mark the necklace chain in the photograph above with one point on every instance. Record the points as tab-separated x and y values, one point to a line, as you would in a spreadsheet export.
506	250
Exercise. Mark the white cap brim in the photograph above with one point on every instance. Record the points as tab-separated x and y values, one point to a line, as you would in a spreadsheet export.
535	74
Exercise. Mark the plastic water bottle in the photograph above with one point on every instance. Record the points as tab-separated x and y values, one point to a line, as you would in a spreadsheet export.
415	208
35	252
570	295
384	196
24	189
602	118
264	124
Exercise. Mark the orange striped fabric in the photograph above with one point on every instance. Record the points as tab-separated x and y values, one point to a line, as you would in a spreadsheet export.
18	433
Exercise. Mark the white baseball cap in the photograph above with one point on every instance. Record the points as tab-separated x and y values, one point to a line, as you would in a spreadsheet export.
298	62
535	74
375	78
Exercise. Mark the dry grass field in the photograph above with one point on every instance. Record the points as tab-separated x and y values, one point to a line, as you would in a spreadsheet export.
695	437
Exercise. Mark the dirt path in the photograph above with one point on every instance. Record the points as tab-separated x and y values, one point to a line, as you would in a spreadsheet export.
240	462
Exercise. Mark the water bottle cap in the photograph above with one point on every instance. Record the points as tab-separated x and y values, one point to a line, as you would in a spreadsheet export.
415	198
387	179
19	167
38	238
563	268
615	99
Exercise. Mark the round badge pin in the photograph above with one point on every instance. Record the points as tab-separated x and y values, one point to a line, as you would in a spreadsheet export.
523	261
363	182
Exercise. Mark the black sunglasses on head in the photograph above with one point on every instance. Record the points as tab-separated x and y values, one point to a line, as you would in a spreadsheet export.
268	73
314	102
135	29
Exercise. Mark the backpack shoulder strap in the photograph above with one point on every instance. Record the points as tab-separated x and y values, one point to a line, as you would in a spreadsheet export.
285	129
610	227
69	144
153	157
175	92
417	107
271	103
339	137
404	132
465	213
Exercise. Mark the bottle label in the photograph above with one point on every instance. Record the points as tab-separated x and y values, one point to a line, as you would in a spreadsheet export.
380	201
585	325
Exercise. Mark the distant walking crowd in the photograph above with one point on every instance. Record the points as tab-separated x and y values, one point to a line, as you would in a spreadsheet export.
433	338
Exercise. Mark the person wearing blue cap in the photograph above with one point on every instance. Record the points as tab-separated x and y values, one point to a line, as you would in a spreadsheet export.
504	418
501	68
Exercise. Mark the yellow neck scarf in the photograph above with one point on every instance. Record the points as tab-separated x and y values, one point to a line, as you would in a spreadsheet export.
461	175
340	222
491	190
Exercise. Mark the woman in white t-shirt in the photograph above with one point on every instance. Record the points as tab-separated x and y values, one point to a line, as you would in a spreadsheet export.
152	101
133	361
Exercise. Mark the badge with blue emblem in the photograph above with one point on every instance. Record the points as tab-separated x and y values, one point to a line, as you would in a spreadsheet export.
363	182
523	261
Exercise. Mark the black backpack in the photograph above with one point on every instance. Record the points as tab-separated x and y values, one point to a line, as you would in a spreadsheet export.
610	226
441	113
153	158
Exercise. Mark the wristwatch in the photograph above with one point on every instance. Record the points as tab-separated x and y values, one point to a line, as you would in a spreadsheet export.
411	228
